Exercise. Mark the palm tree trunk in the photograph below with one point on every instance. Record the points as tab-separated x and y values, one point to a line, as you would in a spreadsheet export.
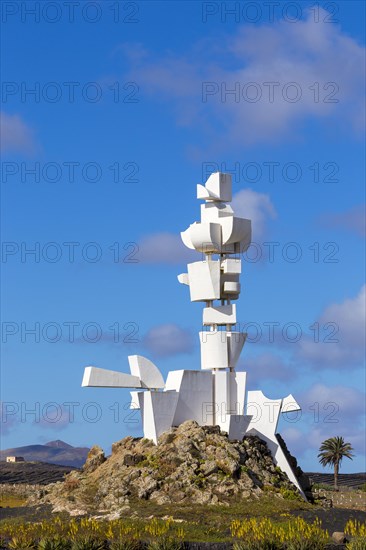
336	470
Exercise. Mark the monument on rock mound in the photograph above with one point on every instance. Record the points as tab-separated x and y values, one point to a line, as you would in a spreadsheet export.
216	394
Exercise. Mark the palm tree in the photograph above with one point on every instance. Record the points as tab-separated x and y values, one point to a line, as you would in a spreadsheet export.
332	451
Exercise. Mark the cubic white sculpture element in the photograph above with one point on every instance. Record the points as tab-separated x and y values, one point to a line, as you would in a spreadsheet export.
214	395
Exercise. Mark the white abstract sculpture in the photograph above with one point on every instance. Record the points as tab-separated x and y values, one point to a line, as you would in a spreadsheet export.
214	395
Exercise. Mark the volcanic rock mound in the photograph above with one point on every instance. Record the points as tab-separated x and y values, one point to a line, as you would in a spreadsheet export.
191	464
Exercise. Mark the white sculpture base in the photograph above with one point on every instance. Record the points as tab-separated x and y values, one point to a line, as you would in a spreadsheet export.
211	398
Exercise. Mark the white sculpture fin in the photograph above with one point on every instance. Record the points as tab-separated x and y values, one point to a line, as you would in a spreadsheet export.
219	186
213	211
236	341
102	378
135	403
186	237
202	192
235	230
220	315
146	371
183	278
289	404
203	237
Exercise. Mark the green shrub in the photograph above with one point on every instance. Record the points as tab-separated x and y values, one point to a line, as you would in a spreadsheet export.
268	489
125	545
54	543
256	545
312	544
289	494
357	543
165	543
88	543
22	542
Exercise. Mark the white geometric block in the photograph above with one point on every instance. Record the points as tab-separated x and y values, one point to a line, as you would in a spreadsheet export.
214	350
238	425
221	384
220	315
233	248
219	187
183	278
186	237
203	237
236	341
237	391
102	378
158	410
206	237
226	397
204	280
228	403
148	373
213	211
265	413
230	277
135	403
203	193
279	457
195	391
236	230
244	244
289	404
231	287
231	266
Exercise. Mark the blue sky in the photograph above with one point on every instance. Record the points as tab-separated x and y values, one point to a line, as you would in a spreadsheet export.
132	105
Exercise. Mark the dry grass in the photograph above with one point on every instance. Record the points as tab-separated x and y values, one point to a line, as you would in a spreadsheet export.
11	501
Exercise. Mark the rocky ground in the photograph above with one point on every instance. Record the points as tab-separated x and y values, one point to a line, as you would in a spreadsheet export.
190	464
194	474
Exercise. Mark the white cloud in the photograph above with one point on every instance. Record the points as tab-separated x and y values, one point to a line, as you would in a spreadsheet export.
348	320
168	340
16	135
299	441
9	417
164	248
296	440
256	207
327	411
313	62
267	367
54	417
350	401
352	220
